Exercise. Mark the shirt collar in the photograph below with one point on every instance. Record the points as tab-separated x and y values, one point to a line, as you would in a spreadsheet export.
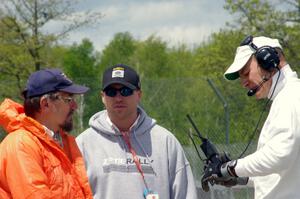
277	84
49	132
115	127
55	136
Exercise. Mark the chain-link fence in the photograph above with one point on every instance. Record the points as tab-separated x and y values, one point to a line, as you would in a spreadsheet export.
218	192
220	109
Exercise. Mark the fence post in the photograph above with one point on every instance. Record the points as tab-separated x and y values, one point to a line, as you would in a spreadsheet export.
225	105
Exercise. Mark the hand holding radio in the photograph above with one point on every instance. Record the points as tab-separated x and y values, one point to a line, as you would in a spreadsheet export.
218	168
224	175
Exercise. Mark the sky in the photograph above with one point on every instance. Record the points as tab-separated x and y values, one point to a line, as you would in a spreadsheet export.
174	21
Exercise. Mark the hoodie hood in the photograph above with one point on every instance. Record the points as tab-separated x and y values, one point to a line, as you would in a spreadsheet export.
100	122
11	115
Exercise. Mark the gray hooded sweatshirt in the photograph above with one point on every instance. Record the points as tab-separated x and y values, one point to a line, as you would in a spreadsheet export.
112	171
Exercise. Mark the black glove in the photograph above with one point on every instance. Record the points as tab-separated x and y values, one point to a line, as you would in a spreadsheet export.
207	177
232	181
212	170
223	174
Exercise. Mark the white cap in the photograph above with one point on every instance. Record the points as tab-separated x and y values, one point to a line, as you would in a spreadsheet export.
243	54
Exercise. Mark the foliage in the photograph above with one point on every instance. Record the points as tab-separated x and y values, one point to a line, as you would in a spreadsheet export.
263	17
180	61
119	50
13	62
81	64
24	41
175	81
28	18
214	56
255	16
150	58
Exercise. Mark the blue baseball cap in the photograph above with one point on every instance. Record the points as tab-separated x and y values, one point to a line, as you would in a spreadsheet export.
50	80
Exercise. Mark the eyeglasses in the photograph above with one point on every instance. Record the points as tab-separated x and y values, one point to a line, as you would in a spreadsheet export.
124	91
68	100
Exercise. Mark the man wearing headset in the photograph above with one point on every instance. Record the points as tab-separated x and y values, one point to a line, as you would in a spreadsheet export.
275	166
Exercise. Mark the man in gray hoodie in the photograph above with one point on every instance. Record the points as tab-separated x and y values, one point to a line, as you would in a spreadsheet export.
128	155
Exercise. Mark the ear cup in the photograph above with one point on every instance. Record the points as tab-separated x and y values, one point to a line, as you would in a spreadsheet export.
267	57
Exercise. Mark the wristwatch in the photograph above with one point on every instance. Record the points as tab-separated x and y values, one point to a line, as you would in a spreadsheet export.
228	169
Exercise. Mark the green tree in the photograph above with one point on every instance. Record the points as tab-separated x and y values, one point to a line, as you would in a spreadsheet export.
81	63
215	55
13	62
119	50
151	58
268	18
24	40
180	61
255	16
28	18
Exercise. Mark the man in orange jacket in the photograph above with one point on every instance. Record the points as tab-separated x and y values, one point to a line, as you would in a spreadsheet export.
38	159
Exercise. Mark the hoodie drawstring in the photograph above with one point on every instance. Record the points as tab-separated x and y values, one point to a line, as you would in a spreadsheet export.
148	158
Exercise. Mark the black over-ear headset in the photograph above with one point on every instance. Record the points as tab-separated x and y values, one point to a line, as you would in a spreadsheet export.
266	56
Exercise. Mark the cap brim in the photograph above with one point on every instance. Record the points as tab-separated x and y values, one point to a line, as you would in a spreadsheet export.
242	56
75	89
119	82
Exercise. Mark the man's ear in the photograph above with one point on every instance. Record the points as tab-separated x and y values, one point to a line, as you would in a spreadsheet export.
102	97
44	103
140	94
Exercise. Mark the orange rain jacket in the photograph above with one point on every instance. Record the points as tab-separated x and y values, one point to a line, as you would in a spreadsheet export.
32	165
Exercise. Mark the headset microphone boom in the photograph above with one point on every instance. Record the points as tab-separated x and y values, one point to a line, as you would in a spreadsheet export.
252	91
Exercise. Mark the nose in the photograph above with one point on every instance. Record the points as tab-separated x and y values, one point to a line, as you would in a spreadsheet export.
73	105
119	96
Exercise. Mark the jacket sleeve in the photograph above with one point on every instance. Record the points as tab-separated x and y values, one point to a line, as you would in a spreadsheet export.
281	142
183	184
181	176
21	167
78	162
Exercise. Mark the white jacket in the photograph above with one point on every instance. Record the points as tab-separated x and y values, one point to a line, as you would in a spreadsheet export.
275	166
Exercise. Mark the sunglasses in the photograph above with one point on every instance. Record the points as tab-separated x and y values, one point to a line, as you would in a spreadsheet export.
248	41
124	91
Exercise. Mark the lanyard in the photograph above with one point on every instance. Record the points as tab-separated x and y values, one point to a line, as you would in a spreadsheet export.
135	158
